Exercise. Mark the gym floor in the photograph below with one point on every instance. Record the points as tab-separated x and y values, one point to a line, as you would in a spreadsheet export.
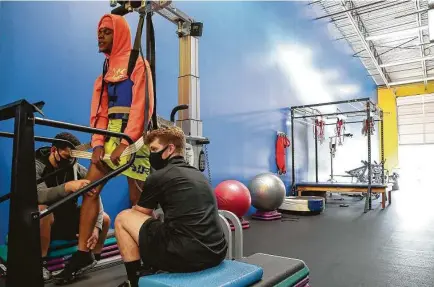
343	246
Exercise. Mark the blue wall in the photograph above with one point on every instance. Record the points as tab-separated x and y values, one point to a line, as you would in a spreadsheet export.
256	60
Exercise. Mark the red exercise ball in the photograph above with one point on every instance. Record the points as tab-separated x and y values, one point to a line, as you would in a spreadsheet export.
233	196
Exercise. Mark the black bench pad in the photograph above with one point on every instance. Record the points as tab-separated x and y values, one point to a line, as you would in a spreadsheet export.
276	268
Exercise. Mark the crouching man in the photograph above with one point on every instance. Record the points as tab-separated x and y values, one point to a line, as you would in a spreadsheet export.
63	223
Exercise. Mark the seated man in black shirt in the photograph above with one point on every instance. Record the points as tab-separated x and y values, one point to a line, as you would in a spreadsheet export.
191	238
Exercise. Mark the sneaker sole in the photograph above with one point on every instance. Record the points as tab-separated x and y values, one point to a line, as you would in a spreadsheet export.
75	276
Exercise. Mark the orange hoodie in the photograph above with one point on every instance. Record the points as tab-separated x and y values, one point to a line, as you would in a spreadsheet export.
118	72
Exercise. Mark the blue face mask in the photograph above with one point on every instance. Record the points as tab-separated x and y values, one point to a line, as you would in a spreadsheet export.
156	159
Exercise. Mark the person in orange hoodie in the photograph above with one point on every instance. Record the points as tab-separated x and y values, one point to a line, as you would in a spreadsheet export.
120	103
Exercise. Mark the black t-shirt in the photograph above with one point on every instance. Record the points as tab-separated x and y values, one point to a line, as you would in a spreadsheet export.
191	225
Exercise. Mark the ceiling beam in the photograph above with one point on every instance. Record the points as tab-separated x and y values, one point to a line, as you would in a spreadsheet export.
360	29
417	80
401	34
406	61
348	10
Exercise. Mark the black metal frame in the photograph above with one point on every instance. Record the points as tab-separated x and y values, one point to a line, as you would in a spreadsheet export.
370	111
24	248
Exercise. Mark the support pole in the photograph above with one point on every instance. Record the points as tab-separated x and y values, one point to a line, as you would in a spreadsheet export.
189	91
331	161
368	202
292	151
316	156
382	145
188	86
369	162
24	247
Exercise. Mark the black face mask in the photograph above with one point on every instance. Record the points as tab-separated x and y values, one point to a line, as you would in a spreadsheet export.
62	162
156	160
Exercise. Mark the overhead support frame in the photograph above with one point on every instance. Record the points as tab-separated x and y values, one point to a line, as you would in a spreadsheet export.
188	80
174	15
189	31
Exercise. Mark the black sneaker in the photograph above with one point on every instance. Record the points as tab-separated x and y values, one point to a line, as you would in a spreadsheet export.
146	271
142	272
77	265
125	284
46	274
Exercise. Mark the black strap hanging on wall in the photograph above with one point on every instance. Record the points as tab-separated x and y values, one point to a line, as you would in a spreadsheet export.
150	56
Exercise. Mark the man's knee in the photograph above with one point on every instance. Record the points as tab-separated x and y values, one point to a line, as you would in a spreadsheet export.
106	220
97	171
122	217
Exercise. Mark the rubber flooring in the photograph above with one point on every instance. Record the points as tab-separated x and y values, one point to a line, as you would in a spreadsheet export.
344	246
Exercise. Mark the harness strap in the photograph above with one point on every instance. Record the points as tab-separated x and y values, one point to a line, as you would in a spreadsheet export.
119	110
81	150
150	56
104	72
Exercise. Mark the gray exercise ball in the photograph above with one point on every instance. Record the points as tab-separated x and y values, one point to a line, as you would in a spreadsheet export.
267	191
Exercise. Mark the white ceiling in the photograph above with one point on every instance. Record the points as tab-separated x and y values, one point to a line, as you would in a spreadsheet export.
389	37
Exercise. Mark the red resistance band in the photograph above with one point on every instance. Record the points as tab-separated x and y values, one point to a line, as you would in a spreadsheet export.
368	123
319	129
282	142
340	125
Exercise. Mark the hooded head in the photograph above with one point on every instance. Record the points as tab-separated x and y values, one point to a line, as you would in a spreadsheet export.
114	40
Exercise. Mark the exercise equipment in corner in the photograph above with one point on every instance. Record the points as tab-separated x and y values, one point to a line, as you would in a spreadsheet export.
268	192
282	142
234	196
303	204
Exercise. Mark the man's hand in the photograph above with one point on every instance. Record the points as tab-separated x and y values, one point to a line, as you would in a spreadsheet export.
74	185
92	192
97	155
93	239
116	154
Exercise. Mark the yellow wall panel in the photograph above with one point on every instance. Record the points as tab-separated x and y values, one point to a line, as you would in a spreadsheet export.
387	102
